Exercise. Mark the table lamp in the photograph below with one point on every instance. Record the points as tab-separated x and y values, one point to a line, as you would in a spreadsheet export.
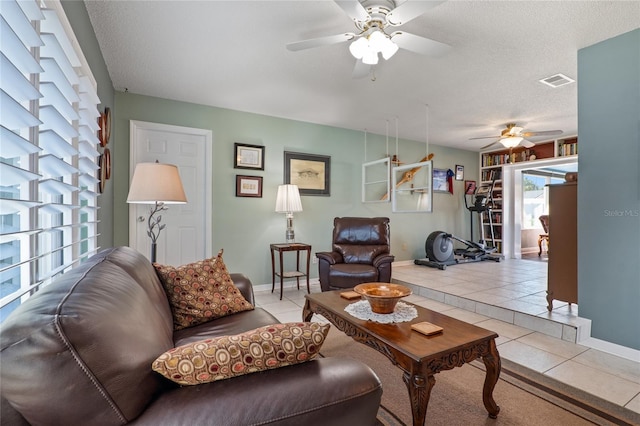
156	184
288	202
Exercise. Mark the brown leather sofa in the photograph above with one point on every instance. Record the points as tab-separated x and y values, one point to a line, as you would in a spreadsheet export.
79	352
360	253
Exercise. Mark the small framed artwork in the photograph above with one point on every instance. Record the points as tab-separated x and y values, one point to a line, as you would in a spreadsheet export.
312	173
459	172
248	186
440	181
248	156
469	187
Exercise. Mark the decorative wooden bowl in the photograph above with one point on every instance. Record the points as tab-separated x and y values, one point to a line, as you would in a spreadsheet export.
382	297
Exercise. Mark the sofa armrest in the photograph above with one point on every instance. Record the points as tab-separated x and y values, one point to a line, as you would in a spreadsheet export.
336	391
332	257
244	285
382	259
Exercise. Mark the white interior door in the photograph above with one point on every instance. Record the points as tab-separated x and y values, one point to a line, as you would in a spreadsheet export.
187	236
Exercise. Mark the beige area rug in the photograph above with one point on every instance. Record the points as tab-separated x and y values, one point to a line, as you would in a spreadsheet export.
525	398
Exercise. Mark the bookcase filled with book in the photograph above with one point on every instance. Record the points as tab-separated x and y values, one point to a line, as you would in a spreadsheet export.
491	166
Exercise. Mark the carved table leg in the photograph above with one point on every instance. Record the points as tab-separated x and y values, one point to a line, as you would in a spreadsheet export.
307	313
493	365
419	393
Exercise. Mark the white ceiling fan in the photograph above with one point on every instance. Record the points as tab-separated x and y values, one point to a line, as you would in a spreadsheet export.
373	19
514	135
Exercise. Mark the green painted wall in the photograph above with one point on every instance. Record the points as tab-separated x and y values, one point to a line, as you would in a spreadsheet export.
609	188
245	227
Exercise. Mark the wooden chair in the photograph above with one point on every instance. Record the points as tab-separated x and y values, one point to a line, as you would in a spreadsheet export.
544	220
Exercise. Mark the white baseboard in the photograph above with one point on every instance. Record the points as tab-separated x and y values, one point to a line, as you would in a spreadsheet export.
402	263
286	284
611	348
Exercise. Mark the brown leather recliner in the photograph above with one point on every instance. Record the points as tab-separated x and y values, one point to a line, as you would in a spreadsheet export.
361	253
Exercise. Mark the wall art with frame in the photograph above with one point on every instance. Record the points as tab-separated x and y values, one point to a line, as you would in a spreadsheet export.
312	173
248	186
440	181
469	187
247	156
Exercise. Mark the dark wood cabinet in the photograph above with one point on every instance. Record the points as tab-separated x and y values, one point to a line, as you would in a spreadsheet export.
563	244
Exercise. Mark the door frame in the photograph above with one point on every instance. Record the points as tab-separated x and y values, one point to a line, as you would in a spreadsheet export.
134	126
512	201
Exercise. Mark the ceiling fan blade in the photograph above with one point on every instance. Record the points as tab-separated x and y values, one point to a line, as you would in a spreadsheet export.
486	137
491	144
543	133
361	70
421	45
409	10
527	144
354	10
320	41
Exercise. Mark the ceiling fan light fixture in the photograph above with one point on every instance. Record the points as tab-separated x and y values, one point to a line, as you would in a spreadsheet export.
511	141
359	48
377	41
389	49
370	58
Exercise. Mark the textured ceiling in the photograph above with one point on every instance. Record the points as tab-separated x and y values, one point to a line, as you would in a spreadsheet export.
232	54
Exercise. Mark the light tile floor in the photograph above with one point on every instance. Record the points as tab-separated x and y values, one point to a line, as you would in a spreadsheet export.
509	298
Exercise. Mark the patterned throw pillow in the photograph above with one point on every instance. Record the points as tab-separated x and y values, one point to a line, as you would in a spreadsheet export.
224	357
200	291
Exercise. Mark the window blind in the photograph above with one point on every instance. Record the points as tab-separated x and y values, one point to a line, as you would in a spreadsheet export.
48	150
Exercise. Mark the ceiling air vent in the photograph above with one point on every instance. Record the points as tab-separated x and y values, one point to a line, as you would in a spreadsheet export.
557	80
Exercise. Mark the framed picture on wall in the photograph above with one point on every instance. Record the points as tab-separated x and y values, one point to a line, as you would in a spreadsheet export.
248	156
469	186
312	173
459	172
248	186
440	181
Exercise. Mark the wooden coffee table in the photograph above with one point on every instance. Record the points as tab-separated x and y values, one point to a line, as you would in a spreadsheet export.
420	357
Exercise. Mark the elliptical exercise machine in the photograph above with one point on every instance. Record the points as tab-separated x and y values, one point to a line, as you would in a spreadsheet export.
439	244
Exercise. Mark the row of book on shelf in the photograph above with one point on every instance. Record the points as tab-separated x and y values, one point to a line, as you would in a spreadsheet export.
489	160
568	149
496	218
488	175
497	232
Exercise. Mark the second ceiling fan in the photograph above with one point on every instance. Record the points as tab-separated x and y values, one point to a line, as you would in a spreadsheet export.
373	39
514	135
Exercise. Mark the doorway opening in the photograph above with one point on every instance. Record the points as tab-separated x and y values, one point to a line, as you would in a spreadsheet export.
525	199
535	205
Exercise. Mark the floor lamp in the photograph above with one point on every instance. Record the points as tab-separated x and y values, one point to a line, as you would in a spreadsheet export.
156	184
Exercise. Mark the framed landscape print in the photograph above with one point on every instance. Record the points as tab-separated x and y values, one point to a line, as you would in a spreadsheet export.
312	173
248	156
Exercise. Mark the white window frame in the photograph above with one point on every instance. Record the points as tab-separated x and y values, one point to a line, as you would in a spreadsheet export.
49	163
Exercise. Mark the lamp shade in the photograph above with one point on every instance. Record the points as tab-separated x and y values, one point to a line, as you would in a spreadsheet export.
288	199
511	141
156	182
